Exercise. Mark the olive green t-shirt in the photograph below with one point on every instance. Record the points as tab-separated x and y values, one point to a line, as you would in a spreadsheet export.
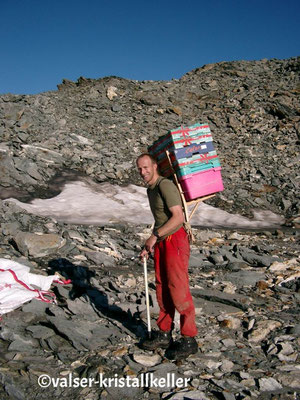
162	195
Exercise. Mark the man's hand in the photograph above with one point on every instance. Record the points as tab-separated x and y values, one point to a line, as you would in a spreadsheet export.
144	253
148	248
150	242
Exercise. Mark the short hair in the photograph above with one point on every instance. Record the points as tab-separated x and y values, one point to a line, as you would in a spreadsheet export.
147	155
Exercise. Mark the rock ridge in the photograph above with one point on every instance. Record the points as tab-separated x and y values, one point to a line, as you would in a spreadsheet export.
99	126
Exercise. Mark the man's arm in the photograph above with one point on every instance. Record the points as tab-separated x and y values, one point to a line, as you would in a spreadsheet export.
176	219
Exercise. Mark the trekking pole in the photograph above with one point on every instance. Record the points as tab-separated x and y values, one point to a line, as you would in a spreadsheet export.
147	297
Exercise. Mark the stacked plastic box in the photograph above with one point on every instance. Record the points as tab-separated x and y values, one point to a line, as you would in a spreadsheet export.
193	157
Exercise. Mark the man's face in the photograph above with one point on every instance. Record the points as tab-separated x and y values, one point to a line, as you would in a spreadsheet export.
147	170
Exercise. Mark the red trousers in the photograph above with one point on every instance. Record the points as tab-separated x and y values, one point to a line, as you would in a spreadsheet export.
171	259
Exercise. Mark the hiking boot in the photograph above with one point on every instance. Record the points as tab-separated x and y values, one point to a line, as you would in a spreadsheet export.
159	339
182	348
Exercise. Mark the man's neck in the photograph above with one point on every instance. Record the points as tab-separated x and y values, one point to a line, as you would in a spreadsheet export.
153	180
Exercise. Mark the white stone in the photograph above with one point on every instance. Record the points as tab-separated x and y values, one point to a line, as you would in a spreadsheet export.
282	266
228	342
245	375
262	329
269	385
62	122
288	358
80	257
191	395
294	367
211	364
147	361
286	349
230	322
111	92
291	379
227	366
82	139
130	282
235	236
248	382
229	287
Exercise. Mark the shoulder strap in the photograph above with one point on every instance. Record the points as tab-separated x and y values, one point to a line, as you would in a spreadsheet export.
187	225
158	187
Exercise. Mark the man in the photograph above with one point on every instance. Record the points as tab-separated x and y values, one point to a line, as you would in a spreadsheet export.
169	241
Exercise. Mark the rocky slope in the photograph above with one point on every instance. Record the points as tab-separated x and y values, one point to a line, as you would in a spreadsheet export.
246	284
99	127
246	288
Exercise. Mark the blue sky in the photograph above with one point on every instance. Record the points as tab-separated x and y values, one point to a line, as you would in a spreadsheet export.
44	41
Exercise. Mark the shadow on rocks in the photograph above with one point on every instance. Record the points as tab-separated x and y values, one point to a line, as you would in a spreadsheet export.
83	287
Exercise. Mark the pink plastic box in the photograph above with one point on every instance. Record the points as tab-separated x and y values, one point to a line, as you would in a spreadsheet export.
202	183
